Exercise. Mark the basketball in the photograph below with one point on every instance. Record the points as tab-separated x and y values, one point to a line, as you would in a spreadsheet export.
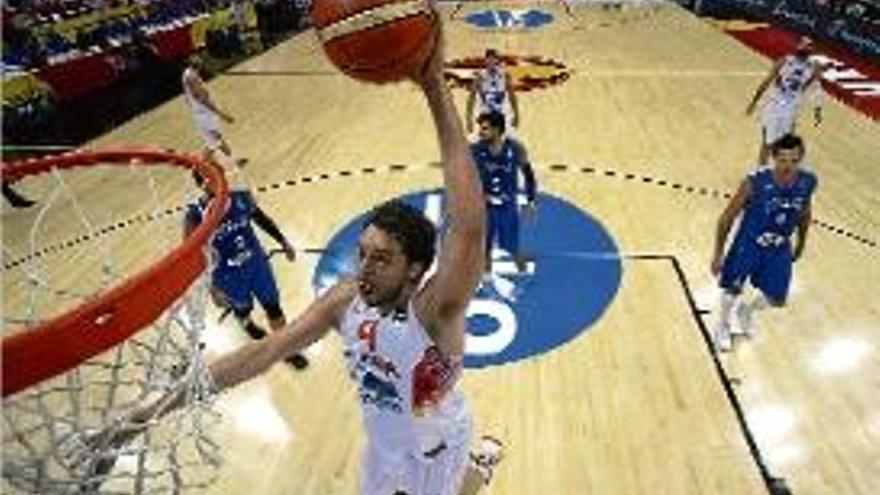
377	41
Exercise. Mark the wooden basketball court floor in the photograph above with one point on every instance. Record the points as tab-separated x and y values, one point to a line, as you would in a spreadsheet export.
646	135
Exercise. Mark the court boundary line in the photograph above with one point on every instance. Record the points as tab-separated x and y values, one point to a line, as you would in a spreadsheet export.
771	482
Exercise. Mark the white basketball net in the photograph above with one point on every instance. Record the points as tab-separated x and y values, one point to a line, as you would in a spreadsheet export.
47	428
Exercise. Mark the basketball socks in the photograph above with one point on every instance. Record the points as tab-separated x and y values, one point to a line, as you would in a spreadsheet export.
722	337
746	311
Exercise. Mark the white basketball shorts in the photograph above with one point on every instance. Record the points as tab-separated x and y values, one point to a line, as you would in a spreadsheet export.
438	471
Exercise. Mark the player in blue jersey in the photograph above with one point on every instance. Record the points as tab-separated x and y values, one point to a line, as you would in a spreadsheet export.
499	160
242	268
773	203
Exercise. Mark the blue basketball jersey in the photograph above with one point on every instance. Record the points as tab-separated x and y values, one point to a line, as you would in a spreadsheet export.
234	241
773	211
498	173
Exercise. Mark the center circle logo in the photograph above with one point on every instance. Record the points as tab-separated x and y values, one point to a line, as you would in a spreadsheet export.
571	277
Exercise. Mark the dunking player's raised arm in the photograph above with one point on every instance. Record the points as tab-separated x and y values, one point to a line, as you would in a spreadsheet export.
443	302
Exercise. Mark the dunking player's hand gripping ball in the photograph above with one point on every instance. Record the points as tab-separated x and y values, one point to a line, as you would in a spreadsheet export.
376	40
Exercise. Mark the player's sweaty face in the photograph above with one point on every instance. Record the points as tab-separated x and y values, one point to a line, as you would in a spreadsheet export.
382	267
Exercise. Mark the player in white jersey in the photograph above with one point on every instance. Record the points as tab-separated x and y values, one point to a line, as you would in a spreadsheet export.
404	336
789	80
494	88
206	113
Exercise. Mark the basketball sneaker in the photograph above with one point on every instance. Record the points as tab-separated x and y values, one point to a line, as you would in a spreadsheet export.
486	457
299	361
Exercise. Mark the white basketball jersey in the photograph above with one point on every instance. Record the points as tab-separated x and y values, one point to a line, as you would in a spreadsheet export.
493	90
789	85
201	113
406	387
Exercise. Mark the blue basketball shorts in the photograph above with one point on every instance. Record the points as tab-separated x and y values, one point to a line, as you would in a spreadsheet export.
767	268
241	284
503	227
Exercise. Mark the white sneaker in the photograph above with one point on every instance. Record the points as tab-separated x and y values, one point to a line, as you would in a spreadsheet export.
722	338
746	324
487	455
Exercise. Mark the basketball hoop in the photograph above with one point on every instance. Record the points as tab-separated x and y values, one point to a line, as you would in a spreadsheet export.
67	375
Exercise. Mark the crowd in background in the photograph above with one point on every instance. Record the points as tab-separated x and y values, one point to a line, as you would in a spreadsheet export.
864	13
63	56
851	25
40	32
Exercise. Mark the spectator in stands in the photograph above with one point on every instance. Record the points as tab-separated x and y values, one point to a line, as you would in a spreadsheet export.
239	14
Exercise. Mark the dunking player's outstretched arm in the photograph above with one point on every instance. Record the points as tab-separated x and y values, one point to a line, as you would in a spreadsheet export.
771	76
725	222
248	361
236	367
442	303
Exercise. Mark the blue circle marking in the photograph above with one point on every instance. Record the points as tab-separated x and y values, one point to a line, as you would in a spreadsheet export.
509	19
571	278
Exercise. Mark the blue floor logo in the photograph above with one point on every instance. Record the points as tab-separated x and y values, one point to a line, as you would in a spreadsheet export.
509	19
572	275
